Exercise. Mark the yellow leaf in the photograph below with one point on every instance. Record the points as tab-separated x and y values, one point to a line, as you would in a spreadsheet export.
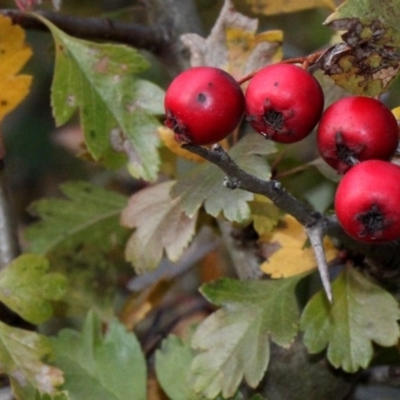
140	304
268	7
243	45
292	257
14	53
167	137
396	113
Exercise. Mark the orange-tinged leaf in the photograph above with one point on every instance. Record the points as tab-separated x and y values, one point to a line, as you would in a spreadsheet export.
167	137
287	6
140	304
292	257
243	46
14	53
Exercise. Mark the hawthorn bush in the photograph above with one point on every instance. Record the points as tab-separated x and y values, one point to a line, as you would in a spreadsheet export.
191	249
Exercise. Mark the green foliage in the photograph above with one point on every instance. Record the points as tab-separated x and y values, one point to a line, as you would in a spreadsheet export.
20	357
234	341
27	288
160	223
116	108
173	360
89	216
204	183
58	396
97	366
361	313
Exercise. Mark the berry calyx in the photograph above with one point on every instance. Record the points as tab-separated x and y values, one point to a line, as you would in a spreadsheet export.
355	129
367	201
203	105
284	102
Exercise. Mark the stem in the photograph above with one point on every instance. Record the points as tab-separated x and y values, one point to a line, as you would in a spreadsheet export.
153	38
9	245
316	234
305	61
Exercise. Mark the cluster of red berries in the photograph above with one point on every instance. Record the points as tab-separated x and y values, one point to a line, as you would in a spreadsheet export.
356	135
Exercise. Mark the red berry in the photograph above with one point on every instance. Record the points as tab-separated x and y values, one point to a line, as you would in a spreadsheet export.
284	102
354	129
203	105
367	201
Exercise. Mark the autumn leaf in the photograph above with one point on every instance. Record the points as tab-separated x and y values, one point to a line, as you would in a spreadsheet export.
21	353
167	137
367	61
14	53
290	254
161	225
362	314
268	7
233	44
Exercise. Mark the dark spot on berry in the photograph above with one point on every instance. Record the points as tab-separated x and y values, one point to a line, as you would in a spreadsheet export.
373	222
210	84
3	103
92	134
276	83
344	153
201	97
274	119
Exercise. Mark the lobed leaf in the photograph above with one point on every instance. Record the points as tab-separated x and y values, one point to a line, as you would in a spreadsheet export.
367	62
362	313
161	225
14	53
27	288
233	44
288	253
90	215
173	360
20	357
116	108
234	341
204	183
96	367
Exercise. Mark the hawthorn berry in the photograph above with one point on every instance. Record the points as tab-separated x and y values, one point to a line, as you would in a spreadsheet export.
367	201
203	105
354	129
284	102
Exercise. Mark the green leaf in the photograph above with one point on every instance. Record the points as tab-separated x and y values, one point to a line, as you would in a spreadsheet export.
96	367
27	288
116	108
204	184
160	223
361	313
234	341
90	215
173	360
20	357
57	396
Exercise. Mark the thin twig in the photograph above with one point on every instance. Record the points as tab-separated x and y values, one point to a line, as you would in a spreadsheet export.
316	235
153	38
